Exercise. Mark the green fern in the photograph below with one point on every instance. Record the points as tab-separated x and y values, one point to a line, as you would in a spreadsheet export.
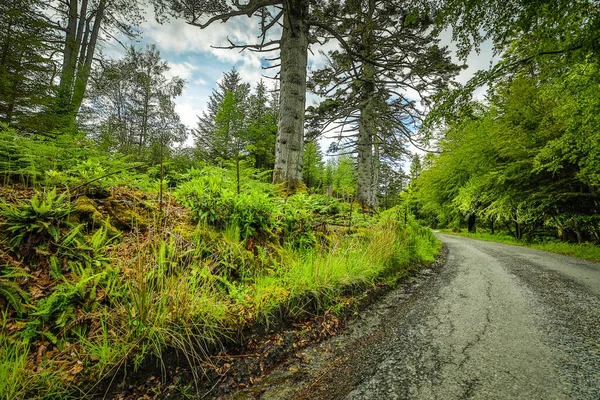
12	292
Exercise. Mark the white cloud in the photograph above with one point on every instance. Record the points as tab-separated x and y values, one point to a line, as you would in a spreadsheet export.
184	70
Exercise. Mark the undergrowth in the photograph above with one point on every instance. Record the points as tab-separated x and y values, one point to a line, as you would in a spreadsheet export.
93	285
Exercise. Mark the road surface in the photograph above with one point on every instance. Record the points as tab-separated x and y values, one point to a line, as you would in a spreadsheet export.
494	322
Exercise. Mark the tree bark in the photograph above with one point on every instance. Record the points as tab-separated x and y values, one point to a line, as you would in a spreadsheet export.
83	74
471	223
365	193
290	126
69	60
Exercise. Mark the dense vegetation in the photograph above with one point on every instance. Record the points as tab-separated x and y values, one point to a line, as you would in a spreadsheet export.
526	160
120	243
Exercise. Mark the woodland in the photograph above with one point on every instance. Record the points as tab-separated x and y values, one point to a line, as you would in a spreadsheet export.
134	262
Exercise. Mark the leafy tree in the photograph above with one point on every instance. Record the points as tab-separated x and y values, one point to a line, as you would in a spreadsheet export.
343	177
521	161
135	103
86	23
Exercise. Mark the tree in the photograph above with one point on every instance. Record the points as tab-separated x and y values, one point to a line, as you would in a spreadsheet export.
294	16
313	166
214	131
343	177
133	102
87	22
527	160
262	127
415	167
389	61
26	65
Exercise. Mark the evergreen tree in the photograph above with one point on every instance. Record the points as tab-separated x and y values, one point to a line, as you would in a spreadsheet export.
313	166
262	128
374	100
26	64
212	137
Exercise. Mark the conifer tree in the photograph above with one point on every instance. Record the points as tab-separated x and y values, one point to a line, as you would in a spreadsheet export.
224	120
26	65
390	62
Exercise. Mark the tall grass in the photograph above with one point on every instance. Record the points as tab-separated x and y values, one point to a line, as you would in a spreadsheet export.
176	287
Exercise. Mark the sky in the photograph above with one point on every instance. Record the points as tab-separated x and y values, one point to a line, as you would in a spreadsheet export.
191	54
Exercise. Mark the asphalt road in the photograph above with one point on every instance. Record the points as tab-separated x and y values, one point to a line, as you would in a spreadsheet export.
494	322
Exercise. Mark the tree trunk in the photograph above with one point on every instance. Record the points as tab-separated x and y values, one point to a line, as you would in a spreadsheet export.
83	74
290	126
366	125
69	60
365	170
471	223
492	226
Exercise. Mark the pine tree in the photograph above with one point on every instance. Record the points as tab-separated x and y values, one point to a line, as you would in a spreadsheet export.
26	64
212	140
262	128
313	166
374	101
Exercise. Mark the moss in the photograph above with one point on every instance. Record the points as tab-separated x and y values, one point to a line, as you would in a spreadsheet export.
86	211
187	231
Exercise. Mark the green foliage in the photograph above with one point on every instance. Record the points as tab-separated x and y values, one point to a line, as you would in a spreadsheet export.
527	162
36	222
313	167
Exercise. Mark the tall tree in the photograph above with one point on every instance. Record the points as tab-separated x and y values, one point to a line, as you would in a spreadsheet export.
295	18
134	103
262	127
390	60
85	23
216	126
26	65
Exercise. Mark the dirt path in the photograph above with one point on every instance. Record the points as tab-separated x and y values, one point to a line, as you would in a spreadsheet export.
496	322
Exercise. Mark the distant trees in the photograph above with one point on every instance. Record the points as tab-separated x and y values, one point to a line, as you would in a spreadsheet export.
133	106
238	123
313	165
528	162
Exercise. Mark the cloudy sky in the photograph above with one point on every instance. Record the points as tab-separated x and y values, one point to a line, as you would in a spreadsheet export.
191	55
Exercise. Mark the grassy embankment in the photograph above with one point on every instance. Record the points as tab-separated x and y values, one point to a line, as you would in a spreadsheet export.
98	280
585	251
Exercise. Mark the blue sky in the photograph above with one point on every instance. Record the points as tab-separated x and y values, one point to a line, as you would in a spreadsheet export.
190	55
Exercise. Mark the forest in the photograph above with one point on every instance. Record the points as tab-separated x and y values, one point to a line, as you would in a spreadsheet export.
128	237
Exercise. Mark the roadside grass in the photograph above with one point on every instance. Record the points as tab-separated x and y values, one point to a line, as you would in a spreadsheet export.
174	286
585	251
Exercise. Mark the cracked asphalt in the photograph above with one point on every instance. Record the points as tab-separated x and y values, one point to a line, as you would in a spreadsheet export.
494	322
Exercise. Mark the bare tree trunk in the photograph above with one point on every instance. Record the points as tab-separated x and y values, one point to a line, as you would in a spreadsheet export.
472	228
290	127
366	126
83	74
69	60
